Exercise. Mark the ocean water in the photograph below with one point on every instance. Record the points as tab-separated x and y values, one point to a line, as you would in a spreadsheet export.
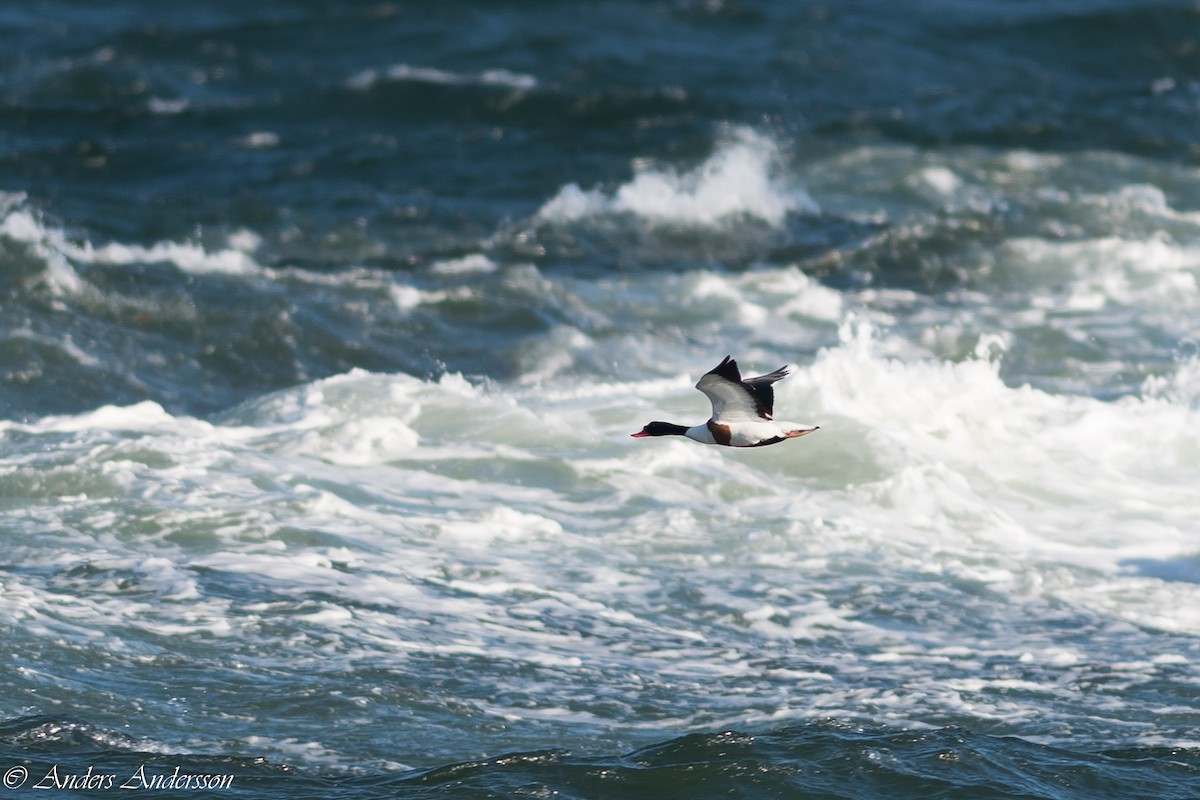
325	326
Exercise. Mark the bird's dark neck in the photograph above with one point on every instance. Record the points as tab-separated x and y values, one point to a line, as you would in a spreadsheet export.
666	429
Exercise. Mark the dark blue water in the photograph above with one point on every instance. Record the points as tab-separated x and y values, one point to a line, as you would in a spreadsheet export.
139	123
824	760
323	326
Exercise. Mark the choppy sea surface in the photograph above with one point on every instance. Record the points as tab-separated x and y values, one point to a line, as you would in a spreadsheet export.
324	327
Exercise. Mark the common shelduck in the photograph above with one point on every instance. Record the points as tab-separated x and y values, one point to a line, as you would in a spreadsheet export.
741	411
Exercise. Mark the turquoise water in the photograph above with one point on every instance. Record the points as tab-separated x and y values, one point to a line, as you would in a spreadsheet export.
325	327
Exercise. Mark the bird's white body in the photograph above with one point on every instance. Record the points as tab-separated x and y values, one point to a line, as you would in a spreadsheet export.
750	433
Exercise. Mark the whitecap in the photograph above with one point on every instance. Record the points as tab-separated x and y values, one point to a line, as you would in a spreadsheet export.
740	179
60	253
1145	273
258	140
417	74
166	107
469	264
48	243
572	204
192	258
1180	387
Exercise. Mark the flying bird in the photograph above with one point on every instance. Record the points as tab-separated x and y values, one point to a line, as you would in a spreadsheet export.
741	411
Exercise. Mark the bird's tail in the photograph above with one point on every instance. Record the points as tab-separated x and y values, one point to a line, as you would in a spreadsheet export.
798	432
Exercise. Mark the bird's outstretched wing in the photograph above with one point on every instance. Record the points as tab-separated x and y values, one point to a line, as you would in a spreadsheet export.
736	399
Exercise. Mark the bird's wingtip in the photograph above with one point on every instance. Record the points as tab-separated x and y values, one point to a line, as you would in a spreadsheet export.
727	369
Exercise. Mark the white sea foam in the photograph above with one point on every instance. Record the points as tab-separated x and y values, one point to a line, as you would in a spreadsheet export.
741	178
1148	273
1031	479
389	518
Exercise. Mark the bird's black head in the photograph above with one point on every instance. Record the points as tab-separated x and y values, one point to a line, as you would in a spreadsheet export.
661	429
